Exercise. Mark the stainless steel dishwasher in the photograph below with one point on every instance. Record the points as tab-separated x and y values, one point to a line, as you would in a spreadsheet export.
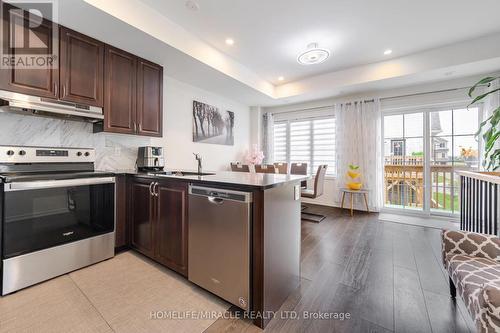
219	242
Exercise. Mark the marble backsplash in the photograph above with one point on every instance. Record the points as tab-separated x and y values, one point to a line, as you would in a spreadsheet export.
114	151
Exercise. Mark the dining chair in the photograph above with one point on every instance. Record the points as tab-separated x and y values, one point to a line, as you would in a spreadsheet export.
317	191
237	167
298	169
281	167
265	168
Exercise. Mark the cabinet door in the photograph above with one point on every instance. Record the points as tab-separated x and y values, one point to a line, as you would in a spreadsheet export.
171	226
42	82
149	98
120	91
81	68
142	216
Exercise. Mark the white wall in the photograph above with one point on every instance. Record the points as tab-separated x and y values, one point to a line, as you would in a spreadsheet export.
332	196
178	129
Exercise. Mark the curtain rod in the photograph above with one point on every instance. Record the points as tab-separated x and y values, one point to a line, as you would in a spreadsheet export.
384	98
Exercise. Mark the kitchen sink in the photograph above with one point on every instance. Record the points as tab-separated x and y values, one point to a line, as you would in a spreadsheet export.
183	173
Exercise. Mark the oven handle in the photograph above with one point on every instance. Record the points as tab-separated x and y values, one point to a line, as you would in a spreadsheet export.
42	184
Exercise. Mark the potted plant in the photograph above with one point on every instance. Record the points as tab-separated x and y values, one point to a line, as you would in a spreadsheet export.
490	126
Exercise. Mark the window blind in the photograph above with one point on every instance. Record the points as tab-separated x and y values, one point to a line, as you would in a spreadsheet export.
310	141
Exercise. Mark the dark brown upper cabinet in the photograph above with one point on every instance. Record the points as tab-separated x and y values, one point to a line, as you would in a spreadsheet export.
149	98
120	91
133	89
19	33
81	61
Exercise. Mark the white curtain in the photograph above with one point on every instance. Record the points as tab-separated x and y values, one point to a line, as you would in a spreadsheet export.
358	140
268	137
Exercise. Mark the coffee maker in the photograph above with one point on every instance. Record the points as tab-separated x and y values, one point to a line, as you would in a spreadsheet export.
150	159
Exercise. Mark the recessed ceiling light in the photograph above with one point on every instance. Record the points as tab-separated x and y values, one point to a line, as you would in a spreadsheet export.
192	5
229	41
281	78
313	56
387	52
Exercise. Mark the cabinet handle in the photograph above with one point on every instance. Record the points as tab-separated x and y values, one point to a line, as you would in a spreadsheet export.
64	91
151	189
55	89
135	127
156	189
140	127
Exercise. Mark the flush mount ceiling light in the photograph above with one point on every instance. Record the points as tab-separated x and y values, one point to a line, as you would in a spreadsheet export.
387	52
229	41
314	55
192	5
281	78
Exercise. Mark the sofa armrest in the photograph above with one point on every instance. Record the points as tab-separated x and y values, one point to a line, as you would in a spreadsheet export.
489	300
469	243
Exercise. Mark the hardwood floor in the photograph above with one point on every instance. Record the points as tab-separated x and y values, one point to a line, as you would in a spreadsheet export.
387	276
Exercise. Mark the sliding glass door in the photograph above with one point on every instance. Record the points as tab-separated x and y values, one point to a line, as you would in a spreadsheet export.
422	152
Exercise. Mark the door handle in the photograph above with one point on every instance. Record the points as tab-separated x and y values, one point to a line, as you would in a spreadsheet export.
215	201
151	189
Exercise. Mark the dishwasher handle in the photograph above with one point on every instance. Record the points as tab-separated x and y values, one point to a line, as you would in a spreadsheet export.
215	201
218	195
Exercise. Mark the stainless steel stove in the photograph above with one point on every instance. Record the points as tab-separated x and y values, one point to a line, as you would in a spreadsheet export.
57	213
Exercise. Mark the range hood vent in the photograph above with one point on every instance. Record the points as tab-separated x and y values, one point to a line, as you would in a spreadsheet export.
37	106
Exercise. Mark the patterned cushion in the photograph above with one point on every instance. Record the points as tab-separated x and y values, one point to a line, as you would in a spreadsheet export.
478	283
490	314
469	243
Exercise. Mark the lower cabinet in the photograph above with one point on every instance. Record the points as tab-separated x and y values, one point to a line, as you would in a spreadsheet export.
159	221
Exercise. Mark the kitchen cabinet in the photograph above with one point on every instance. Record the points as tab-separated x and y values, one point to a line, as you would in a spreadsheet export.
133	95
120	91
149	98
142	204
171	226
81	68
42	82
159	221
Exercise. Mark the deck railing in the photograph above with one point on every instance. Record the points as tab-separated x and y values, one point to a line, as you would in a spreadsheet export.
404	183
480	202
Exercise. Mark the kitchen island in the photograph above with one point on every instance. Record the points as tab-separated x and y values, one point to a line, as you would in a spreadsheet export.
157	226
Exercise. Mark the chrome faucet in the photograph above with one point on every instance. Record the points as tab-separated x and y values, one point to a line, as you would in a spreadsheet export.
198	158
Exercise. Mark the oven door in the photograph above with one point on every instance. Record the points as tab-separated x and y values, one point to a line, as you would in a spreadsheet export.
42	214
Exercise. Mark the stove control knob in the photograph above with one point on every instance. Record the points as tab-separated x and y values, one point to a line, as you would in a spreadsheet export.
87	154
22	152
10	152
79	153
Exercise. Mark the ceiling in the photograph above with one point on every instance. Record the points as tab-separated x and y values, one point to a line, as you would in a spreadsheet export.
269	35
431	42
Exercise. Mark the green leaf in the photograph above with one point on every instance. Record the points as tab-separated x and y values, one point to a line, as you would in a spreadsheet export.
482	125
480	97
486	80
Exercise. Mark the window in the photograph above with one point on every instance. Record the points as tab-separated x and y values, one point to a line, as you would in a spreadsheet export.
310	141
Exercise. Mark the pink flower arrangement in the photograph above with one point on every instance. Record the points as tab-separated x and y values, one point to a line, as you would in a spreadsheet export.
254	156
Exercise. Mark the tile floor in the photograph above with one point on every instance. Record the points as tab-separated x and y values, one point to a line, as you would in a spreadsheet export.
118	295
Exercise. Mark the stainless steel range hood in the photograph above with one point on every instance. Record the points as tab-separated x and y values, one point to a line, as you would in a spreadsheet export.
37	106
